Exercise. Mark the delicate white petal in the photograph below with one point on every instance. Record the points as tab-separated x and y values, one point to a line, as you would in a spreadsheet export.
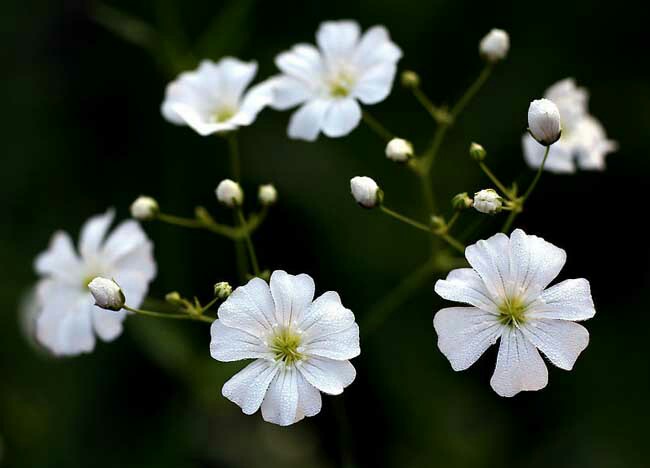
561	341
303	62
375	84
327	375
568	300
342	116
93	233
123	240
280	404
248	387
60	259
591	144
249	308
139	261
288	92
108	323
519	365
490	258
534	262
255	99
338	39
559	160
466	286
464	333
339	346
231	344
235	76
199	122
325	316
375	47
292	295
306	122
309	399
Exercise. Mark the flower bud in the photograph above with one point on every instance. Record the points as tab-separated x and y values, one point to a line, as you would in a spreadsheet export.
544	121
173	297
399	150
222	290
461	201
488	201
365	191
144	208
267	194
438	222
230	193
107	294
410	79
495	45
477	152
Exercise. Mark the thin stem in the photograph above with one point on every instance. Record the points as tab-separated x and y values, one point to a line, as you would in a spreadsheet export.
495	180
151	313
537	176
235	164
249	243
509	220
178	221
377	127
405	219
380	312
430	156
453	220
453	242
426	103
472	90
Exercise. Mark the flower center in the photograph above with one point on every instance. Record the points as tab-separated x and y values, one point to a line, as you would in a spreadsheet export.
223	114
341	84
285	346
512	311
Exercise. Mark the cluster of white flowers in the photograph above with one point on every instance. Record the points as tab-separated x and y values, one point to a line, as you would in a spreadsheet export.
583	142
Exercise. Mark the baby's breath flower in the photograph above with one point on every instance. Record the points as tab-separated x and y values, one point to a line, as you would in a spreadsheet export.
229	193
267	194
107	293
399	150
509	299
222	290
544	121
477	152
144	208
495	45
365	191
488	201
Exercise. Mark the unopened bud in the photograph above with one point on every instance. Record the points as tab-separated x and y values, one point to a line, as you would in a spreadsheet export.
173	298
461	201
365	191
229	193
488	201
399	150
144	208
477	152
495	45
107	293
437	222
267	194
222	290
410	79
544	121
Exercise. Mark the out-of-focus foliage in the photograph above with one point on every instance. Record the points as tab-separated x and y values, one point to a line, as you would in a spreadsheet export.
81	130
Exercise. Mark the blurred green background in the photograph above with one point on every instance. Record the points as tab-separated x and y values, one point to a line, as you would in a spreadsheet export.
81	131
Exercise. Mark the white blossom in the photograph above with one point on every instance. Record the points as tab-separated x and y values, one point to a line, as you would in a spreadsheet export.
107	294
229	193
328	81
365	191
68	319
267	194
507	290
583	143
399	150
544	121
300	346
144	208
487	201
213	98
495	45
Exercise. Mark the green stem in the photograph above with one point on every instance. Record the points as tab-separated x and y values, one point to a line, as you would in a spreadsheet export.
151	313
252	224
430	156
235	164
248	242
178	221
424	100
495	180
472	90
405	219
509	220
453	220
377	127
453	242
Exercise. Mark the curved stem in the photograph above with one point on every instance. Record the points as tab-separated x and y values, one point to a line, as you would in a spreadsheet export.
405	219
248	242
495	180
537	176
179	221
453	242
376	126
151	313
472	90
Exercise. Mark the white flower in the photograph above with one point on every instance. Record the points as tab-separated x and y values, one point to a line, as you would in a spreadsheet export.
365	191
544	121
211	99
399	150
69	319
229	193
300	346
107	294
327	81
267	194
495	45
583	142
144	208
487	201
507	289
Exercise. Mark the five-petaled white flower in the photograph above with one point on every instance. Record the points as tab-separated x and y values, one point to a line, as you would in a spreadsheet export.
327	81
211	99
301	346
507	287
68	318
583	142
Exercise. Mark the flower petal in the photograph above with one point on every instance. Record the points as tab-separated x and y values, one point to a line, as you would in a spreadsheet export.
327	375
249	308
325	316
340	346
464	333
309	399
230	344
568	300
288	92
466	286
376	47
235	76
491	260
93	233
338	39
375	84
561	341
199	122
519	365
559	160
292	295
303	62
248	387
255	99
107	323
60	259
280	405
306	122
341	118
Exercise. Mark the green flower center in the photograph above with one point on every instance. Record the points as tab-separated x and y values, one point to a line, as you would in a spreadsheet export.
512	311
285	344
223	114
341	85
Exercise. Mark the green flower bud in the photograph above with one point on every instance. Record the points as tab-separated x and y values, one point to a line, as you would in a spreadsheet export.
477	152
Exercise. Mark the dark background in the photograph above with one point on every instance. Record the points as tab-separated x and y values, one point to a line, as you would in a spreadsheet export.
80	130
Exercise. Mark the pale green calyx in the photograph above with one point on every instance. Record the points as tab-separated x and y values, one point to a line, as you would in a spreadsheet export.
222	290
